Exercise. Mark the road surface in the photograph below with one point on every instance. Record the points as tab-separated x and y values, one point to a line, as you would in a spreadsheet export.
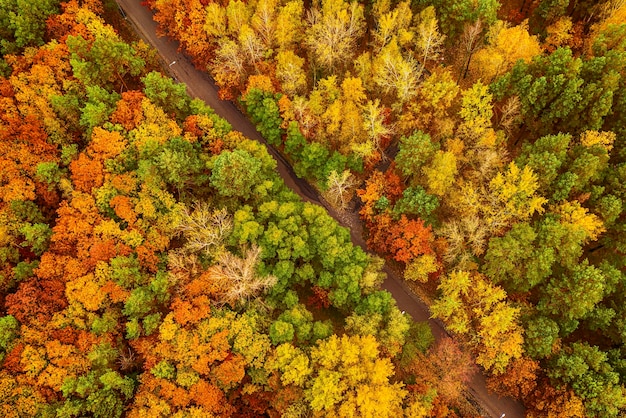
201	86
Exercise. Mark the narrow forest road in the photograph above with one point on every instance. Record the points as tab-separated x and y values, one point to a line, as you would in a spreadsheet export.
200	85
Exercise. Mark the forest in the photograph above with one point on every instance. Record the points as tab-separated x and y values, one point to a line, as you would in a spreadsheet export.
154	264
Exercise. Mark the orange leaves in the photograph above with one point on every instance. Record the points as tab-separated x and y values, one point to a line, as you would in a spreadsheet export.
125	183
86	173
409	239
128	112
147	258
519	379
124	208
36	300
188	312
404	240
231	371
105	144
207	396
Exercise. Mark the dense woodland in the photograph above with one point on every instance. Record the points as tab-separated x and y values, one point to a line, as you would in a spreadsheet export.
152	263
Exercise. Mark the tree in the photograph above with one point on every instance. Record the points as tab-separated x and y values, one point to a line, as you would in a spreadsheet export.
470	43
518	260
289	24
562	93
505	47
585	368
334	29
264	111
235	173
512	197
440	173
431	111
585	288
103	59
445	368
339	389
205	230
541	336
519	379
470	304
263	22
290	72
415	201
429	41
23	23
168	95
408	239
394	73
293	364
237	278
340	188
454	15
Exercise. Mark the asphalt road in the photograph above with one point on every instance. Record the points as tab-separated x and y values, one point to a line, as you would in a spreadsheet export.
201	86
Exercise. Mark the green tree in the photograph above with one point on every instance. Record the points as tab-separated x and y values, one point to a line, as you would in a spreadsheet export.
167	94
23	23
105	60
263	110
455	14
586	369
235	173
585	288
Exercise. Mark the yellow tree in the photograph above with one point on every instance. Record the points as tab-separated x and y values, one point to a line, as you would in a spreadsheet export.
470	305
429	42
440	173
392	24
394	73
334	29
351	379
431	109
264	22
505	47
512	197
290	72
289	24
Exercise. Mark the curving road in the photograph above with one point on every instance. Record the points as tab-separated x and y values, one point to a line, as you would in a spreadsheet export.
200	85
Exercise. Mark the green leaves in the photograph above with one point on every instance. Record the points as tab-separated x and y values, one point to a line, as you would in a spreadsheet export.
235	173
263	110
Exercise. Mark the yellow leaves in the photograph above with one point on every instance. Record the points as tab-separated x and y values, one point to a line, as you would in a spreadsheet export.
86	291
353	91
440	173
576	216
168	329
333	32
471	304
506	47
352	380
156	127
394	73
559	33
289	23
602	139
290	72
420	267
215	21
293	364
513	196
